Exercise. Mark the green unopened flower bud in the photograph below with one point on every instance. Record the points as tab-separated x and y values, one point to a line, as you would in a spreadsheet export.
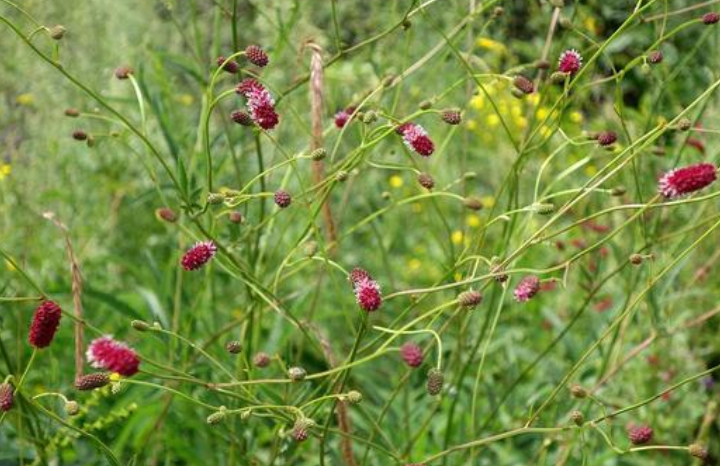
297	374
406	24
318	154
425	105
618	191
218	416
473	203
558	77
469	176
370	117
311	248
698	451
215	198
354	397
498	11
636	259
577	417
140	325
72	112
578	392
645	68
233	347
470	298
684	124
341	175
91	141
565	22
544	209
557	3
517	93
388	81
72	408
57	32
386	195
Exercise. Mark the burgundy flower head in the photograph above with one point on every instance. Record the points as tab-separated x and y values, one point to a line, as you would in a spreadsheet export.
199	255
607	138
416	138
242	118
260	103
640	435
109	354
282	198
367	294
256	56
710	18
412	354
570	61
527	288
45	324
7	397
231	66
343	116
680	181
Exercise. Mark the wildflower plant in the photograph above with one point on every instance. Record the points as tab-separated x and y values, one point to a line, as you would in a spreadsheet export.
529	188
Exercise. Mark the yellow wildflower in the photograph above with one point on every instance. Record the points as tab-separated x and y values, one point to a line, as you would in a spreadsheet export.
396	181
457	237
25	99
473	220
491	45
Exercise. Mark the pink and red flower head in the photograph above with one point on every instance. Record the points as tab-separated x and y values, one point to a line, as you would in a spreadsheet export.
282	198
260	103
570	61
412	354
367	290
109	354
681	181
344	116
198	255
45	324
527	288
416	138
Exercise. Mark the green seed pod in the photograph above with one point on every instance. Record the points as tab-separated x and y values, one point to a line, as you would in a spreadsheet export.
618	191
698	451
558	77
341	175
140	325
517	93
684	124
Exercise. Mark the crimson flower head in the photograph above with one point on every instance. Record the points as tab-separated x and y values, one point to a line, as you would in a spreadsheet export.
527	288
640	435
45	324
115	356
367	294
260	103
343	116
710	18
198	255
416	139
681	181
570	61
256	56
412	354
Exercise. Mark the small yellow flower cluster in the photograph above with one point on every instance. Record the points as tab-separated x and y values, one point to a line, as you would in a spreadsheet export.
5	170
